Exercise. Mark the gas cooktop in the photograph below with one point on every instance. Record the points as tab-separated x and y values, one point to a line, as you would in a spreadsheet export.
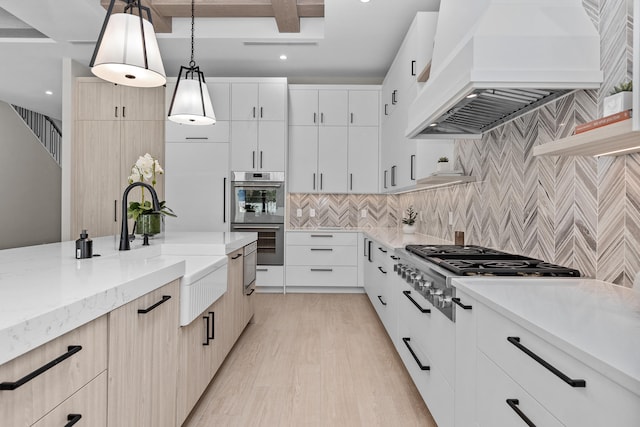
477	260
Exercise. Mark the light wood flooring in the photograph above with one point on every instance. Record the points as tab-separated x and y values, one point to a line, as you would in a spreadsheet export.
312	360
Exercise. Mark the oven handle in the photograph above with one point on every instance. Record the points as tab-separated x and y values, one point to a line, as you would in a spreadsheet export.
258	227
249	185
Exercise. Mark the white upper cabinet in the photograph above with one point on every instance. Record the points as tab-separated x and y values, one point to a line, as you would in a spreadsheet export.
318	107
332	159
332	107
303	107
258	101
257	146
303	159
363	159
363	107
220	94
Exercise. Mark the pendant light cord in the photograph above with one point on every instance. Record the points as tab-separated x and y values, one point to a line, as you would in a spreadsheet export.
192	63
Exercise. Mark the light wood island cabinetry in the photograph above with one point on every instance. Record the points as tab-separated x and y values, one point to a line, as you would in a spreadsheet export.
143	343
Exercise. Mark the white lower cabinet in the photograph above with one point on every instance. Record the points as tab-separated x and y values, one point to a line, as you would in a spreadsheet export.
321	259
270	276
502	402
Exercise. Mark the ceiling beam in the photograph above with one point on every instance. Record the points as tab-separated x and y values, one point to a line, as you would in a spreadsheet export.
286	14
234	8
161	21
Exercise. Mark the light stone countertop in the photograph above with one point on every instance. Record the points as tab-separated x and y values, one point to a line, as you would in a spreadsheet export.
596	322
46	292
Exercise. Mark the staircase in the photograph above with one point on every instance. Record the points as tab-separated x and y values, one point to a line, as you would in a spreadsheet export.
44	128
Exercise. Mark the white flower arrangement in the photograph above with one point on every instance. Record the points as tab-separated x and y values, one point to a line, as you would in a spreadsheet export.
146	168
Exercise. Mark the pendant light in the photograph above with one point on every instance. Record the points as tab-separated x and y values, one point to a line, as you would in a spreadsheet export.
127	51
191	104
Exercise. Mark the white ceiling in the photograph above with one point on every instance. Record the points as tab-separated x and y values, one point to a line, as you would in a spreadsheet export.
355	43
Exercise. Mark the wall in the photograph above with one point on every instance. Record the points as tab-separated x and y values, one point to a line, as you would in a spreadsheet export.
29	188
575	211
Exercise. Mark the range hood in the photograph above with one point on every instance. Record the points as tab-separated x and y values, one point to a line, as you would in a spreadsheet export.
494	60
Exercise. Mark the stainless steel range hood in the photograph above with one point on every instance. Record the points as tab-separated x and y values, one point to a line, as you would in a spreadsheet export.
494	60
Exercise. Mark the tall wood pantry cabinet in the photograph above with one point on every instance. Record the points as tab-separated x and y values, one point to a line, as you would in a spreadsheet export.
113	126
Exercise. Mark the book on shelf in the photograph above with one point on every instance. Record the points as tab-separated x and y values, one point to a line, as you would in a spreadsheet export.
604	121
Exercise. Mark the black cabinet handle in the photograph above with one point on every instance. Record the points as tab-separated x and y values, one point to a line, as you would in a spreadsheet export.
458	302
72	418
395	258
321	249
260	112
382	250
164	299
116	113
253	160
123	111
412	161
321	235
314	117
206	329
321	117
236	256
393	175
260	159
382	271
386	113
385	179
413	68
350	181
71	350
314	181
393	97
513	404
115	211
381	300
365	246
321	269
212	315
351	117
252	291
254	112
369	251
197	138
321	181
573	383
415	357
422	310
224	199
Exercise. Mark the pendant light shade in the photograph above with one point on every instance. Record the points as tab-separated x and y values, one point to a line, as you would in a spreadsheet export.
191	103
127	51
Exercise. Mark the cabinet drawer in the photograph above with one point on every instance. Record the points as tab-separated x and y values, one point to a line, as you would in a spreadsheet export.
175	132
30	401
434	389
322	238
494	387
322	276
269	275
88	405
596	404
322	255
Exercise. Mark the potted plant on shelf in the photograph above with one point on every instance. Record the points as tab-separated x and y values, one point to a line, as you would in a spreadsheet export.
147	221
620	99
443	165
409	222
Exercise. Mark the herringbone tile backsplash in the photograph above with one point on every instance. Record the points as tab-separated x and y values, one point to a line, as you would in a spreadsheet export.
580	212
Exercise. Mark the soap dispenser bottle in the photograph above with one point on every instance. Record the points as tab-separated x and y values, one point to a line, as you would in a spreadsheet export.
84	246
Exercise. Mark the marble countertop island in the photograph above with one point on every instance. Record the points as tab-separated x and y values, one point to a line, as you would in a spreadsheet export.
45	292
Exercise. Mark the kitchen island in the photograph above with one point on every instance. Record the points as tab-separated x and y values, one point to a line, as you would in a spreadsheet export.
46	292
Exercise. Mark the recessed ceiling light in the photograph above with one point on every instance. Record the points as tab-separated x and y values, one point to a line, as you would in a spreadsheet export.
365	1
472	95
283	57
49	92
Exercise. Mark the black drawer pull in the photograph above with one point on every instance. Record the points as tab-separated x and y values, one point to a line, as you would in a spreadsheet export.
458	302
71	350
72	418
252	291
381	270
381	300
236	256
262	269
322	235
322	249
321	269
513	404
212	315
573	383
164	299
395	258
207	330
415	357
422	310
384	251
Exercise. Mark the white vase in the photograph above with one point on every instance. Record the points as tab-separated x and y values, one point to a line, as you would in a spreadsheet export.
408	229
443	167
617	103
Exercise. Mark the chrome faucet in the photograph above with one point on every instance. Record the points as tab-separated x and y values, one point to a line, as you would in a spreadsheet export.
124	230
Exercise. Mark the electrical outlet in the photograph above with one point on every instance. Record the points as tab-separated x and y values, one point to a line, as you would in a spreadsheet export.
298	213
312	213
450	218
363	213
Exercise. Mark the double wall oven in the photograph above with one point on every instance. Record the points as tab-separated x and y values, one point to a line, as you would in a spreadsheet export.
257	205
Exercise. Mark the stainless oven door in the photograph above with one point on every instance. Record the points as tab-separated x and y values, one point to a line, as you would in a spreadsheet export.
257	202
270	241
